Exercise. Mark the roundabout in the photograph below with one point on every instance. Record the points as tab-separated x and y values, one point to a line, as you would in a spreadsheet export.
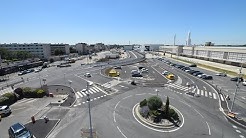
130	123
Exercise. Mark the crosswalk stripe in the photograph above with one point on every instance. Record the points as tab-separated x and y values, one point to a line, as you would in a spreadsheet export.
90	91
214	95
210	94
202	92
93	90
98	90
222	99
84	93
198	91
206	94
79	94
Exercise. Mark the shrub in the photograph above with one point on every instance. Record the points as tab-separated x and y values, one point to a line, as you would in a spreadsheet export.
28	92
173	114
4	101
154	103
40	93
143	103
11	96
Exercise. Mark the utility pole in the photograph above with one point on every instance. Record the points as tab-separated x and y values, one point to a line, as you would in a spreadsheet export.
89	106
238	81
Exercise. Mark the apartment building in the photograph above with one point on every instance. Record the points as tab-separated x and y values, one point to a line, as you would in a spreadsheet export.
43	51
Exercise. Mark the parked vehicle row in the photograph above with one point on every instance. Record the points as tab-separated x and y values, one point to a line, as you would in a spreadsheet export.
188	69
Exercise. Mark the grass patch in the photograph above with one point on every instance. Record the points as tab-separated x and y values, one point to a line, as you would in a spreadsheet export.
212	68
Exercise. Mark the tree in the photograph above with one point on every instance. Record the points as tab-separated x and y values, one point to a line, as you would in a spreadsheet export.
51	60
72	50
58	52
154	103
19	91
167	106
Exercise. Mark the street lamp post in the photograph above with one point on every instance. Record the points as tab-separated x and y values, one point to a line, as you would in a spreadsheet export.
88	99
156	92
39	80
237	86
64	78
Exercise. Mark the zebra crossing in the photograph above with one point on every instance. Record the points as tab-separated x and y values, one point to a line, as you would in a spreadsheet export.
180	87
84	92
197	92
207	94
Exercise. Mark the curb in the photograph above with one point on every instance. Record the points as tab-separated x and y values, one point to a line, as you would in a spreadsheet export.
53	128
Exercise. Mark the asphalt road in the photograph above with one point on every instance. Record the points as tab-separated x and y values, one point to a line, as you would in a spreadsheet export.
112	113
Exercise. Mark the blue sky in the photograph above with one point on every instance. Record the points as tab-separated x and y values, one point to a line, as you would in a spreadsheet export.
121	21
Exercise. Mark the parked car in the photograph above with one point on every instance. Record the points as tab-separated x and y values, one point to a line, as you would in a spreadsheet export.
137	75
144	70
18	130
207	77
193	65
117	67
37	69
134	72
201	75
22	72
197	73
5	110
87	75
236	79
244	83
185	68
223	74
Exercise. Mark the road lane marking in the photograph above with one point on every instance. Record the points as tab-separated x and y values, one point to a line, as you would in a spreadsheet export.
214	95
210	94
222	98
78	94
209	132
238	131
206	94
202	92
121	132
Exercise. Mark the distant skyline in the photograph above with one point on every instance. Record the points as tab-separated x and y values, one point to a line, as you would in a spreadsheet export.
121	21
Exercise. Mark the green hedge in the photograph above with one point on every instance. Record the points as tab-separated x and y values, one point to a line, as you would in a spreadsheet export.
8	99
33	93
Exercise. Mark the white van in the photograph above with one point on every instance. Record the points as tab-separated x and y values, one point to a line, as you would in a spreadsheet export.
4	110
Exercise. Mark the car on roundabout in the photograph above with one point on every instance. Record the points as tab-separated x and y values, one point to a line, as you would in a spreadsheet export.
88	75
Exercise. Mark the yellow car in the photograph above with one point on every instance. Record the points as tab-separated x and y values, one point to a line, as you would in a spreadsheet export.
170	76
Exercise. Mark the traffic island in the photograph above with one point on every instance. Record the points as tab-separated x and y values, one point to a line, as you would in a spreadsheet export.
153	114
42	128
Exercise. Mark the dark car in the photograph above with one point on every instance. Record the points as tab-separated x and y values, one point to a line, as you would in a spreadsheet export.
207	77
236	79
18	130
193	65
197	73
117	67
191	71
185	68
137	75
